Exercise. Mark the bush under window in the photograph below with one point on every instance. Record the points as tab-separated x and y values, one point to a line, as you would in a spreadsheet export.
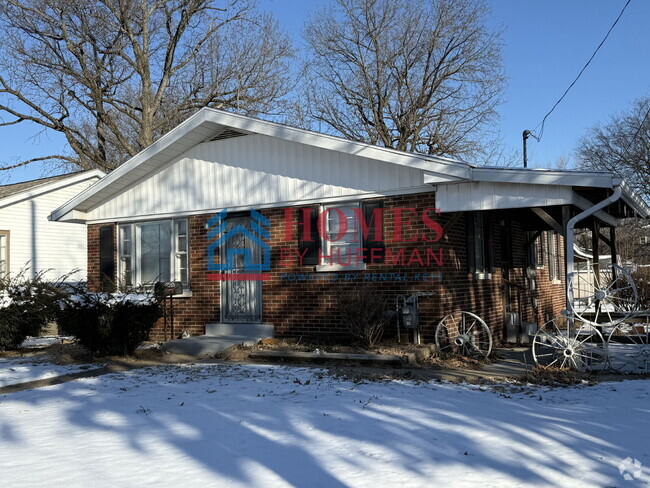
109	323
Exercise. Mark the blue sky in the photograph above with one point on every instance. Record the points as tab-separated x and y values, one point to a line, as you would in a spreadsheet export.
545	42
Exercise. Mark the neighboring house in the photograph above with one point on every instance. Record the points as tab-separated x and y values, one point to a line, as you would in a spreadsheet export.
29	240
495	249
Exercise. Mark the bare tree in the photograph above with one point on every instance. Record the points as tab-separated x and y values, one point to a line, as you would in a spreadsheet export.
621	146
420	76
113	75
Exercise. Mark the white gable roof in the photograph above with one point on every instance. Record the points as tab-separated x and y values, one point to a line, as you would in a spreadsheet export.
209	124
185	147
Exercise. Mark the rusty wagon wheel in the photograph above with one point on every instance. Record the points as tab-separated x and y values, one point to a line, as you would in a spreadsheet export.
464	333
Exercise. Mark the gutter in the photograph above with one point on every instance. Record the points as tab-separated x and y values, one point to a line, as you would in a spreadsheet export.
569	241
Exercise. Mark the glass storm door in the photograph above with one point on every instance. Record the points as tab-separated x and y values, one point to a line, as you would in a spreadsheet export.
241	300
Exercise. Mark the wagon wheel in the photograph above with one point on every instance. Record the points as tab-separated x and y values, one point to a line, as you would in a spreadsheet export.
628	347
613	292
464	333
563	344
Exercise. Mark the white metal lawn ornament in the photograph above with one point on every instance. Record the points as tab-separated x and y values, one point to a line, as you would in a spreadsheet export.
628	347
605	298
565	342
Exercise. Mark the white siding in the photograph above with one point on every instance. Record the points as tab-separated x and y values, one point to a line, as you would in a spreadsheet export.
483	195
39	244
253	170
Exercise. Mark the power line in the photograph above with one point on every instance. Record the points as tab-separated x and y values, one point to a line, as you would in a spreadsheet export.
541	132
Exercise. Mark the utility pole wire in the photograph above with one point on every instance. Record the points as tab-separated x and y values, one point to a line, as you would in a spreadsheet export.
541	132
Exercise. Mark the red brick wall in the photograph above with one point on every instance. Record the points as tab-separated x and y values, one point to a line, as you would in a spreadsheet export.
302	308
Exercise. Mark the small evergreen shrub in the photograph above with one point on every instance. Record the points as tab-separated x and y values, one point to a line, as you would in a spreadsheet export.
109	323
26	307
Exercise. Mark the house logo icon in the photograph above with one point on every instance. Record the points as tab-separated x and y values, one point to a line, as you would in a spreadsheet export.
241	245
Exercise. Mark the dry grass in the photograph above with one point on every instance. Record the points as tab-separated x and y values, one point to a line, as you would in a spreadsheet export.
542	375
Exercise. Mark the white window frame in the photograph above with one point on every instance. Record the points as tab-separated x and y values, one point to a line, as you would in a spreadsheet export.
6	235
478	245
554	256
326	246
135	256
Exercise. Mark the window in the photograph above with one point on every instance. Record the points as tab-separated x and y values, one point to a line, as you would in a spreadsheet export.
154	251
554	245
540	260
341	243
4	254
532	249
478	248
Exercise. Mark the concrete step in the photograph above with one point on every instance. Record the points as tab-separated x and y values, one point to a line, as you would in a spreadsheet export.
218	338
249	331
199	346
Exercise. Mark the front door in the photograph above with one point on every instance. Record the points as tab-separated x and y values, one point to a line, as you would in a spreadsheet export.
241	299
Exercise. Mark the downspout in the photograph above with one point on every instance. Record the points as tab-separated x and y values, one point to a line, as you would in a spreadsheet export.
581	216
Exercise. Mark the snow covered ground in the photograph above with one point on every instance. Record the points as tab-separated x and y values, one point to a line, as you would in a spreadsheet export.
272	426
16	370
43	341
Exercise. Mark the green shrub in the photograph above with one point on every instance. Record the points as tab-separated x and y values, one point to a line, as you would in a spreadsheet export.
26	307
108	324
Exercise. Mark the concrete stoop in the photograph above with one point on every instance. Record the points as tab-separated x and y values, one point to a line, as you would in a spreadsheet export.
219	337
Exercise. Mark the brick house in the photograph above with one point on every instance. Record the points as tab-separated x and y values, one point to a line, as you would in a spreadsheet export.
334	215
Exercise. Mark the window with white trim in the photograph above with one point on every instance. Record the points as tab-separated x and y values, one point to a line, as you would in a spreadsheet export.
154	251
342	248
4	254
554	256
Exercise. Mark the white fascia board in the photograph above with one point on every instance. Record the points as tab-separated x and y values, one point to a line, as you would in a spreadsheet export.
74	217
595	179
635	201
52	186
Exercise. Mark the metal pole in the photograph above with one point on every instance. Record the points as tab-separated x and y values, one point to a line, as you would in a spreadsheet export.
525	136
171	311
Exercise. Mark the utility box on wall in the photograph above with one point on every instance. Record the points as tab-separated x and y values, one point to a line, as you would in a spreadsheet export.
527	330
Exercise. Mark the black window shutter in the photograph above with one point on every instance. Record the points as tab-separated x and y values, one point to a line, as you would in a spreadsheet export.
471	258
312	245
107	257
373	241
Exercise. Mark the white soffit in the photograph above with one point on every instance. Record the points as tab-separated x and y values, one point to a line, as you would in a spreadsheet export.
487	195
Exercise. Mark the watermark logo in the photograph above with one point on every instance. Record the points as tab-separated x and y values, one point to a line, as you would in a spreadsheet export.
245	253
630	469
335	239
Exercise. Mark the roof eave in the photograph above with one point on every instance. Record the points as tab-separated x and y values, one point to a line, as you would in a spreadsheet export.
47	187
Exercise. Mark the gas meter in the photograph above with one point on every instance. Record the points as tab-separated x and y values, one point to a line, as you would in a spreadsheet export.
408	314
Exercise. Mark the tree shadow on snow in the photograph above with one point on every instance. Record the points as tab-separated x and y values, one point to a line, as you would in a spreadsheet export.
230	418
